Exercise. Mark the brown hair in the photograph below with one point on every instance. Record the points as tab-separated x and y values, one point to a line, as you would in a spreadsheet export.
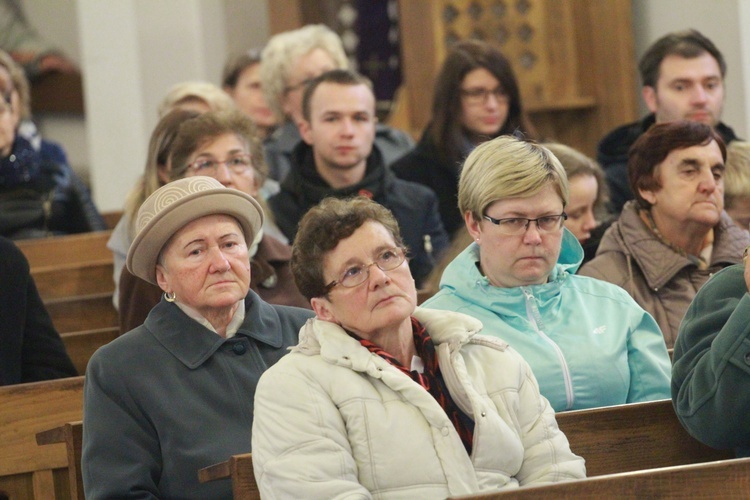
654	146
236	65
320	231
336	76
687	44
199	131
465	56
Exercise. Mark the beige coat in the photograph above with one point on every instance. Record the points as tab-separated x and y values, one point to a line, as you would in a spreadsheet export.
662	281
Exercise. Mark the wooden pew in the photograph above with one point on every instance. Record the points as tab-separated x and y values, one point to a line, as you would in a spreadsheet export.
72	249
72	435
82	345
76	279
721	479
239	468
84	312
26	469
633	437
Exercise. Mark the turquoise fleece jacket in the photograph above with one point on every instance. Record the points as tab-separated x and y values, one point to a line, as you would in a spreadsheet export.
587	341
712	363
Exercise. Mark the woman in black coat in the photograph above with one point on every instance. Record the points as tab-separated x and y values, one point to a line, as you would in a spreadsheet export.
30	347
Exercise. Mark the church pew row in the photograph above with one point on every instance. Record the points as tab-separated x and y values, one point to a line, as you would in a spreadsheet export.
26	469
720	479
84	312
633	437
76	279
82	345
61	250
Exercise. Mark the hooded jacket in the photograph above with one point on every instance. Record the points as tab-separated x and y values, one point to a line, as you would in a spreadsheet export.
414	206
661	280
587	341
333	420
612	155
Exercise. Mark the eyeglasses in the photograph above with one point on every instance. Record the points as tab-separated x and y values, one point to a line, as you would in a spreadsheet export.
513	226
479	96
387	260
206	166
300	85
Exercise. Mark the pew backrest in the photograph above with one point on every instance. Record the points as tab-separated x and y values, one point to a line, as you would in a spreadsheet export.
720	479
633	437
238	469
26	469
71	434
70	249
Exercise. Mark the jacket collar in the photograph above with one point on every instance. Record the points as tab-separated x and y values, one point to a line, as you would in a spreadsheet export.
193	344
304	182
656	260
337	347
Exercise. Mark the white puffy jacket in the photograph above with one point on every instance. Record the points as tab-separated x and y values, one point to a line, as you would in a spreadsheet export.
333	420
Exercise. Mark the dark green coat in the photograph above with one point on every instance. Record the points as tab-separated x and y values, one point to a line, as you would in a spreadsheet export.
711	367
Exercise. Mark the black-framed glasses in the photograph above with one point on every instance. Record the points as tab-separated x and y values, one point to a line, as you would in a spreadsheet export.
512	226
477	96
239	164
387	260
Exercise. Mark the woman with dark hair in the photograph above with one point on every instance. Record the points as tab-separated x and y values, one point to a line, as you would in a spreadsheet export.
476	99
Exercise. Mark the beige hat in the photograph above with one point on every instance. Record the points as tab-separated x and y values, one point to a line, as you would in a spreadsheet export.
178	203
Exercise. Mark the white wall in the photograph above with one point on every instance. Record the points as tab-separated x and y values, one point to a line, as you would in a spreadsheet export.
722	22
130	53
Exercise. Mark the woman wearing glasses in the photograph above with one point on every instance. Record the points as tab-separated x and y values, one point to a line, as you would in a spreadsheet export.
587	341
381	398
476	98
221	145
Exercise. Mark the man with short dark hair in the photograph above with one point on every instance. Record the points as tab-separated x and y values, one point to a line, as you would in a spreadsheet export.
683	79
338	157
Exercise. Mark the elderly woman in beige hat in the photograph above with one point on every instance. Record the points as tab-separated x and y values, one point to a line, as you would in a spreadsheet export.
176	394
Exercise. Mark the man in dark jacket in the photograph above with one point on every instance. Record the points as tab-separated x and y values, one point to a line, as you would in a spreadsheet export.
683	79
337	158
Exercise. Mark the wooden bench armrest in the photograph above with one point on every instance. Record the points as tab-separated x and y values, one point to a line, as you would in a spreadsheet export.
213	472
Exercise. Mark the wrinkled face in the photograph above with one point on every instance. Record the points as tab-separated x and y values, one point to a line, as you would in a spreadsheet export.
692	188
525	259
341	129
248	96
307	67
383	302
687	89
206	264
583	193
484	106
223	149
8	119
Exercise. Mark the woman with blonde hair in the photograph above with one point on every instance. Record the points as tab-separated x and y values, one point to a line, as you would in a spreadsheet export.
587	341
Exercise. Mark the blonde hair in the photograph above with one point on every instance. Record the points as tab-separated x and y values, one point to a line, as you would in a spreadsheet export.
737	172
575	164
208	93
284	49
506	167
20	84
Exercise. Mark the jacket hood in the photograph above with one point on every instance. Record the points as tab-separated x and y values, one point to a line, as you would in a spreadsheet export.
630	236
305	183
463	275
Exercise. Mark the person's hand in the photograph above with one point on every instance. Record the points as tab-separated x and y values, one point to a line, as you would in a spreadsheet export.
747	268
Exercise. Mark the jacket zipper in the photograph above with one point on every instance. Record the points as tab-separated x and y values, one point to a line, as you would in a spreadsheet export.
532	313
